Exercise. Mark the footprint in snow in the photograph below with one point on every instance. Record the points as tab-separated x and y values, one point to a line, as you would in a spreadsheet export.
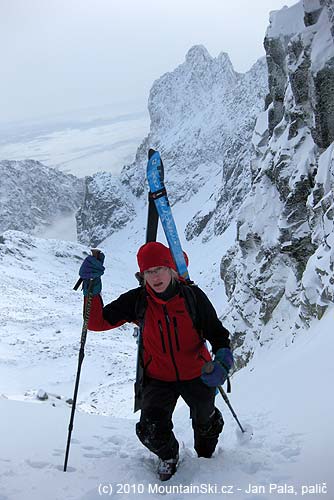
252	467
289	448
291	453
37	464
109	453
94	455
57	452
278	448
116	440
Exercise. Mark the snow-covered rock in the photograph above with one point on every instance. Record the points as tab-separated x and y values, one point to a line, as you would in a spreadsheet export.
281	270
202	118
107	207
32	195
42	395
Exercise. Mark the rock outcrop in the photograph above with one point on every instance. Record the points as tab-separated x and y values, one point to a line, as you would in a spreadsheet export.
280	273
107	207
32	195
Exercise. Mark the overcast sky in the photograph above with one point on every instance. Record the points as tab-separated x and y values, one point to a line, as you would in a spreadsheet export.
61	55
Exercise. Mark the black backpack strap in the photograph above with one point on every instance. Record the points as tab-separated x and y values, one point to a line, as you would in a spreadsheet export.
140	307
189	295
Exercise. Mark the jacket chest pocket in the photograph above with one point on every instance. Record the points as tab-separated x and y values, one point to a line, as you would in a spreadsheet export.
176	333
171	332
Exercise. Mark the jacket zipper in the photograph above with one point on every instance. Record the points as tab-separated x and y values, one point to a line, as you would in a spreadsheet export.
176	334
170	342
162	337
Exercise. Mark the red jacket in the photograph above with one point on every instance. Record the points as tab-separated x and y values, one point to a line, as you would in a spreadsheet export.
173	348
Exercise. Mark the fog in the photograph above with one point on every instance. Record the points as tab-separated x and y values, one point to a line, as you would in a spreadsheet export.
62	55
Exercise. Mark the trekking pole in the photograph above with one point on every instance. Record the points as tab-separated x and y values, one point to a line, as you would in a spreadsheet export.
208	368
227	401
80	360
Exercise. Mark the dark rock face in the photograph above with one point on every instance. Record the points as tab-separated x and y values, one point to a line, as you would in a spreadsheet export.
323	103
106	209
276	51
280	273
32	195
196	226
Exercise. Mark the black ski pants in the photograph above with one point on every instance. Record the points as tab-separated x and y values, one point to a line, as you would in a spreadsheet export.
155	428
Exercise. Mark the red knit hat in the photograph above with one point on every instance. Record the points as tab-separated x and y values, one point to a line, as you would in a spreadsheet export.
155	254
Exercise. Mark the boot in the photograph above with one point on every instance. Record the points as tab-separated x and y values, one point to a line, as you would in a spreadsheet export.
167	468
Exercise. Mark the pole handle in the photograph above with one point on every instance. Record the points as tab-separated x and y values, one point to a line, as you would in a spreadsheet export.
95	252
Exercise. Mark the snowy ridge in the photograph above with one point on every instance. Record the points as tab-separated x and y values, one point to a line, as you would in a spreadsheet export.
33	195
279	275
202	118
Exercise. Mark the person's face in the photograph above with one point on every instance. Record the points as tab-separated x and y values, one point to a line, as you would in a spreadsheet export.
158	278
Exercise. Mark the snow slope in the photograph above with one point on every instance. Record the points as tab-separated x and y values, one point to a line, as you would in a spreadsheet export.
283	395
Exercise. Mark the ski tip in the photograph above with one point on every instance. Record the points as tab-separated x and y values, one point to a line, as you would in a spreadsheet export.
151	153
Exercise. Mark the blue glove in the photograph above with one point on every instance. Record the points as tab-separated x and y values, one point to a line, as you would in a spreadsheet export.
92	269
215	372
224	356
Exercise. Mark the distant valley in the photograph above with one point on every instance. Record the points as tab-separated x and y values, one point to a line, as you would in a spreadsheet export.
80	143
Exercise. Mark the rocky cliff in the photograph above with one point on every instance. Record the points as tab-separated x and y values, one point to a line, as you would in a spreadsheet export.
280	272
32	195
107	207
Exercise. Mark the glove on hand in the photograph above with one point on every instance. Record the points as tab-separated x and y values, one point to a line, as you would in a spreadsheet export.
215	373
224	356
92	269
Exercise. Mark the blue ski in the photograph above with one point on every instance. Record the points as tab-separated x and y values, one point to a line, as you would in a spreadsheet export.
155	178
